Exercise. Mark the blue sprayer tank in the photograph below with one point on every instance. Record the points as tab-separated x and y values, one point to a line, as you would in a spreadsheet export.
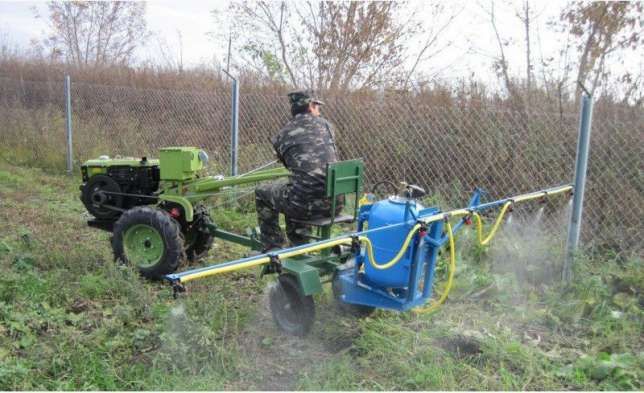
387	243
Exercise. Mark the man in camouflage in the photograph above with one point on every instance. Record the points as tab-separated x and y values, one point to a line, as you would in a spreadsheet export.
304	145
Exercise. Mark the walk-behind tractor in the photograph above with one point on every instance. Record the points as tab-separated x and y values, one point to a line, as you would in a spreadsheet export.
155	209
387	262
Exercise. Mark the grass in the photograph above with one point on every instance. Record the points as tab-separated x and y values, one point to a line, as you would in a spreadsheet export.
70	319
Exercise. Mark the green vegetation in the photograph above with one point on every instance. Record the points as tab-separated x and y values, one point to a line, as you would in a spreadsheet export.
72	319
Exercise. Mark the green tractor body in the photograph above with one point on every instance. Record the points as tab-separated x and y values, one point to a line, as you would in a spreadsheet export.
157	204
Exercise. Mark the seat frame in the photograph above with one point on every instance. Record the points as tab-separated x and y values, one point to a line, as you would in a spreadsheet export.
342	177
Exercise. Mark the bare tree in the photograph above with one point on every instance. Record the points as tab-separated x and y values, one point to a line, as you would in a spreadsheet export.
432	32
96	33
525	16
170	55
601	29
501	63
332	45
357	44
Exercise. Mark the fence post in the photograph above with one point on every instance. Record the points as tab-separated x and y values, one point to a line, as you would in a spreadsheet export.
581	164
68	123
234	128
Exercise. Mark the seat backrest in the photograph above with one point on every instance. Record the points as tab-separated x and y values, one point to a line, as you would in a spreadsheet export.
344	177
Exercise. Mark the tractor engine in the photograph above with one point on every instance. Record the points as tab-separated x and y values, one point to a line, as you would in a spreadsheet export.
113	185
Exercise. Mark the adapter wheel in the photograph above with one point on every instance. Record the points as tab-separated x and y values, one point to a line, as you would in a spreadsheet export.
292	311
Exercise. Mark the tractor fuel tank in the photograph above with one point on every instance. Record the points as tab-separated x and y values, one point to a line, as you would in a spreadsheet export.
181	163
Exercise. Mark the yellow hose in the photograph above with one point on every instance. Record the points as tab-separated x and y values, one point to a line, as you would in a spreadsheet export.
495	227
399	255
450	276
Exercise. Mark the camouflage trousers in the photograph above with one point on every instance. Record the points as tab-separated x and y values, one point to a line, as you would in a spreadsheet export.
271	199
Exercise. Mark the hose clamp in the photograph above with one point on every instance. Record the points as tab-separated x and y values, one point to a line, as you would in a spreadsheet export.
355	244
422	229
467	219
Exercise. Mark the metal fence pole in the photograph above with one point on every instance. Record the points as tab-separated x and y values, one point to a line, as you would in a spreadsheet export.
581	164
68	123
234	128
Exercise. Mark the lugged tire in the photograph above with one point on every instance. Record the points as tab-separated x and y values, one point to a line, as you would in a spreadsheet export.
202	242
156	221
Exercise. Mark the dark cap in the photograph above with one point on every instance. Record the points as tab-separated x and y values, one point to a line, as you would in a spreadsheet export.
303	97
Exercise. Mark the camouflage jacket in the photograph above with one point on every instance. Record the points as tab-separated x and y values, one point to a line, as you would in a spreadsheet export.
305	145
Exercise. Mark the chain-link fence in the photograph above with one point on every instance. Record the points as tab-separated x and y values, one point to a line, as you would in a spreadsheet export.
448	149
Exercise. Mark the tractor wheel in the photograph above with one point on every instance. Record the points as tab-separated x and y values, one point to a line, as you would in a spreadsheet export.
356	310
149	239
93	197
200	246
199	240
292	311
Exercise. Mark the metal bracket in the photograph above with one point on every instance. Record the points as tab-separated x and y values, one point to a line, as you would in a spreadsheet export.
177	288
275	265
355	245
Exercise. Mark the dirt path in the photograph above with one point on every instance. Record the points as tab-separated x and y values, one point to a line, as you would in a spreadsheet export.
276	361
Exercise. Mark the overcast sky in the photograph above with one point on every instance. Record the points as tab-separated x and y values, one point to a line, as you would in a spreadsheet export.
473	41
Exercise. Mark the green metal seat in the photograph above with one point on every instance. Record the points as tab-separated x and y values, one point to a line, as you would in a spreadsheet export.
342	178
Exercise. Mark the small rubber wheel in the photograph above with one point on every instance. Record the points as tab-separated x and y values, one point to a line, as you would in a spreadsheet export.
292	311
199	248
150	239
93	197
356	310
